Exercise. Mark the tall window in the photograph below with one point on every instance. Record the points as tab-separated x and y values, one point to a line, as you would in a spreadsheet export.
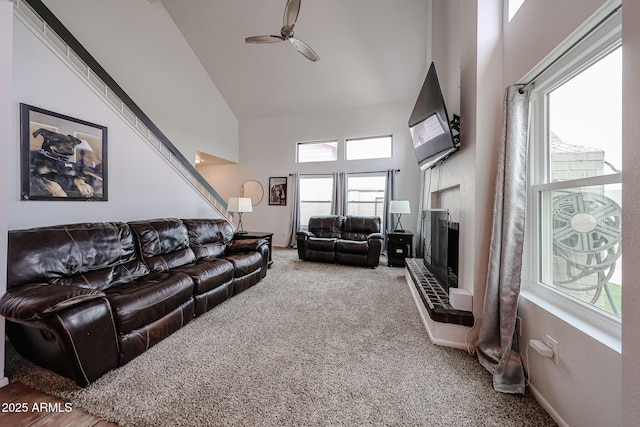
576	177
365	195
315	197
317	151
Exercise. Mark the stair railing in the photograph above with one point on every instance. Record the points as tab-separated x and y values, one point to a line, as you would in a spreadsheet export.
51	31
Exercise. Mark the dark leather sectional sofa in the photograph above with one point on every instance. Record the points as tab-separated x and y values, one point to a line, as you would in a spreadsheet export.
354	240
83	299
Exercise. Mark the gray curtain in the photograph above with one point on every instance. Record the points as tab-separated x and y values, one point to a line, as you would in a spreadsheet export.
339	199
295	209
389	195
497	346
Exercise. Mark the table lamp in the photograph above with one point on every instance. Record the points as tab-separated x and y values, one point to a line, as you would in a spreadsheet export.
239	205
399	207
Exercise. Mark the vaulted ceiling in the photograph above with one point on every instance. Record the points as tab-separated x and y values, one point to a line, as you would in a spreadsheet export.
371	52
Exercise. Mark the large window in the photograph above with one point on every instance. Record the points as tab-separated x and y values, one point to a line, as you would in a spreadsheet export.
365	195
317	151
576	178
315	197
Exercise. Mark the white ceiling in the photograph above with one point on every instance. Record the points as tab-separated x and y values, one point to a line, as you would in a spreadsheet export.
371	52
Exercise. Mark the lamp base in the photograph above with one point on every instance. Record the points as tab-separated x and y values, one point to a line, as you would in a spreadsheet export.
399	230
241	232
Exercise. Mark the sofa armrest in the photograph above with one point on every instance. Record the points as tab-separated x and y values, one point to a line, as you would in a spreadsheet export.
378	236
40	300
245	245
304	234
301	242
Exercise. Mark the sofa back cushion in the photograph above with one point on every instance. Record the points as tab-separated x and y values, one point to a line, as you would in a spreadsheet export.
359	227
91	255
326	226
163	243
208	237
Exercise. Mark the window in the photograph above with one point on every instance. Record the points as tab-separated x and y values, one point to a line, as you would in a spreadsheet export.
365	195
368	148
576	181
315	197
514	7
317	151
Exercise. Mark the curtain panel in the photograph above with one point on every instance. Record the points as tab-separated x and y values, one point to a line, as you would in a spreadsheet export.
497	345
295	209
339	199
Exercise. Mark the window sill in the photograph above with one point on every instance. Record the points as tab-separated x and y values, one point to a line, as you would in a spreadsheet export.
604	329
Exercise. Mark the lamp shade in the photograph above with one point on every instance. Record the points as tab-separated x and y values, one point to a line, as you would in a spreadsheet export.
399	207
239	204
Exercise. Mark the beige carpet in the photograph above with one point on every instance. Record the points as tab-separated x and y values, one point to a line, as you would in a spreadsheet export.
312	344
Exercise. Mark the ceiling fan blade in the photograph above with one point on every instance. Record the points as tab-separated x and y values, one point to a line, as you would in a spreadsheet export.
291	11
264	39
304	49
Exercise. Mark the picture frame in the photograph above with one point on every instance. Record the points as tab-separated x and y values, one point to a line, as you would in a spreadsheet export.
278	191
62	158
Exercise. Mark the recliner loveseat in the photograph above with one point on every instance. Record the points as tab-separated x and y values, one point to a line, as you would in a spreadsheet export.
354	240
83	299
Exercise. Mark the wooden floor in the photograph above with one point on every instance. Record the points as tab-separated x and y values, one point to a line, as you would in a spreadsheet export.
24	406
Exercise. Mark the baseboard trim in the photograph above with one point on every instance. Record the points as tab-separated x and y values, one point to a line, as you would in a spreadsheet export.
547	407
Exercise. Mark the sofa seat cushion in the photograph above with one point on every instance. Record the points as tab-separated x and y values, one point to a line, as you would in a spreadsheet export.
245	263
352	247
321	244
208	274
139	303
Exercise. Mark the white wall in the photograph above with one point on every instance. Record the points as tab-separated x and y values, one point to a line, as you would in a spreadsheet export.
268	149
141	185
584	388
6	104
142	49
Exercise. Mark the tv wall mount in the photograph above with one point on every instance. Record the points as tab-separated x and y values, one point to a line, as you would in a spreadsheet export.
455	129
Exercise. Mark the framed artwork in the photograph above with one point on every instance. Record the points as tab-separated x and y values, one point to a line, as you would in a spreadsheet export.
278	191
62	158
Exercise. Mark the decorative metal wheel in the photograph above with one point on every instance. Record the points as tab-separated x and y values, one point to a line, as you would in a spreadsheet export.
586	235
586	222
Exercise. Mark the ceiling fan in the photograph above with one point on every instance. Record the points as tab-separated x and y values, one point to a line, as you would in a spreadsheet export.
286	33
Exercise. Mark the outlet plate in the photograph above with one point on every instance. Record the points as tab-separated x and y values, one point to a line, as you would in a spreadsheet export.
553	345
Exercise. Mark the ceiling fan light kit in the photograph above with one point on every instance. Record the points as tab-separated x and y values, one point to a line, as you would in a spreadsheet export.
291	11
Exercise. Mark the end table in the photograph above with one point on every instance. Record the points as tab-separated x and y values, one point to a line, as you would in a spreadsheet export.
399	247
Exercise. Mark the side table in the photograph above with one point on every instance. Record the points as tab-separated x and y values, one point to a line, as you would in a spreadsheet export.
257	235
399	247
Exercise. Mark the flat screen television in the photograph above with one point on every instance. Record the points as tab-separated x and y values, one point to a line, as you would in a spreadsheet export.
431	131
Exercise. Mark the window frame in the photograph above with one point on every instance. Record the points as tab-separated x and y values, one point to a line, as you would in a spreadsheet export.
602	326
380	137
367	174
304	224
299	144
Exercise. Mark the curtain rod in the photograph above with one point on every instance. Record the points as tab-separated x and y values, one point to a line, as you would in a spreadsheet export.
395	170
573	45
